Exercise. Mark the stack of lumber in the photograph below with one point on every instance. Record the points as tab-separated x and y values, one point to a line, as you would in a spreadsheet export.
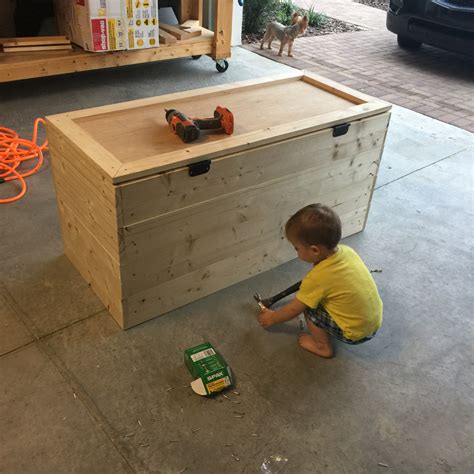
34	43
170	34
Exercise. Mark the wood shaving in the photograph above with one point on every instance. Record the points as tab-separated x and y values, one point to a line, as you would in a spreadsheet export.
195	430
140	423
235	457
145	445
169	389
129	434
383	464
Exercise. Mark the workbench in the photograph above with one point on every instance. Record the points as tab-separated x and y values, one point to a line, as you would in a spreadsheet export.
216	44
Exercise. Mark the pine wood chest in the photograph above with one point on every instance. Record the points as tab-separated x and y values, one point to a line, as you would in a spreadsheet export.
152	223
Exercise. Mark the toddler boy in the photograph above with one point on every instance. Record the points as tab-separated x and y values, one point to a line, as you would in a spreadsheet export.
338	296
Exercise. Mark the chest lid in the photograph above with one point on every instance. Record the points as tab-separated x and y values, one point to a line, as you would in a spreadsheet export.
133	140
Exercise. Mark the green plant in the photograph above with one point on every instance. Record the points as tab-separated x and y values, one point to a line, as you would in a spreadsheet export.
285	10
256	15
315	18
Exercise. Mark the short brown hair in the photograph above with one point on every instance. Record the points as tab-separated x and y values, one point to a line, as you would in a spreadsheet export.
315	224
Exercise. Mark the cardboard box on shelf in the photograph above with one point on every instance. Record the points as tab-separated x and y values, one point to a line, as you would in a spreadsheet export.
109	25
142	24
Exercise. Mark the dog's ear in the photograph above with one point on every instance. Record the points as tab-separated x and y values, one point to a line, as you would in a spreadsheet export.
295	15
305	20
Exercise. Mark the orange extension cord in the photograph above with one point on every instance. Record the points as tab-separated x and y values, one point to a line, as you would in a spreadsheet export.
16	151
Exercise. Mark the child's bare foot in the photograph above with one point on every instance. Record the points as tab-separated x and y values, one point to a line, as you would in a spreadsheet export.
322	349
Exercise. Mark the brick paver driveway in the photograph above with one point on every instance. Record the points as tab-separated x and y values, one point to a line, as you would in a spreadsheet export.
431	81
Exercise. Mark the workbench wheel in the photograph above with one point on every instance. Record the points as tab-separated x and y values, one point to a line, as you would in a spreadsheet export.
222	65
197	56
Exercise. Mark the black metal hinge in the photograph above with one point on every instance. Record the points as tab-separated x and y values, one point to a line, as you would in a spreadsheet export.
201	167
340	129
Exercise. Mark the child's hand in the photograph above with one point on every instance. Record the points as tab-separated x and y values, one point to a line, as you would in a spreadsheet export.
266	318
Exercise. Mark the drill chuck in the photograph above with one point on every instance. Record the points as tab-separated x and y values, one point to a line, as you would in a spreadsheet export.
183	126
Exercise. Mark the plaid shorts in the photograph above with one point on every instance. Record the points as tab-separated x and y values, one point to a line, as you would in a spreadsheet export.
322	319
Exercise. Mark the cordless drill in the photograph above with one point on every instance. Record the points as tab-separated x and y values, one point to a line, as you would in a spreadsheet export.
189	129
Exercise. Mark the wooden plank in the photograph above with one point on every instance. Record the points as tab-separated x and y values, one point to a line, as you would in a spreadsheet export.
28	49
166	38
149	197
190	24
141	132
30	65
95	202
96	157
284	78
234	144
191	32
95	215
197	12
175	31
191	10
177	243
205	281
35	41
340	90
97	267
376	175
186	10
222	29
143	135
89	220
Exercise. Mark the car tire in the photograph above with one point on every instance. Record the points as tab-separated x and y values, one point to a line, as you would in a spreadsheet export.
407	43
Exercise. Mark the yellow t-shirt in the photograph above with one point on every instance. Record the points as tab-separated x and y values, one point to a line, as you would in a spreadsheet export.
343	285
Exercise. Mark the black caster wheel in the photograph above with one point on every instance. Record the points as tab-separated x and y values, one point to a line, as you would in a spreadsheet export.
197	56
222	65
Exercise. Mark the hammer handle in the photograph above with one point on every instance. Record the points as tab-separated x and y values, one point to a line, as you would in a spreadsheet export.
283	294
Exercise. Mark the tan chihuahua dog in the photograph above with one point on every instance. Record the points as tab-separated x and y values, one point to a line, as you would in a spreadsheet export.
285	34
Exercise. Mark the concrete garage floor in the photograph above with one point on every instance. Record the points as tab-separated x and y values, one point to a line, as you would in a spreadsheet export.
79	395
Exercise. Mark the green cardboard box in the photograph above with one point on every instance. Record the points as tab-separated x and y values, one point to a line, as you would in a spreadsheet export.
209	369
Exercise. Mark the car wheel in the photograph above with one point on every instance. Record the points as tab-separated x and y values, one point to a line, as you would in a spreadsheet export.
407	43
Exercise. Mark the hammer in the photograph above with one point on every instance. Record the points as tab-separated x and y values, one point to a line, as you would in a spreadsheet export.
267	302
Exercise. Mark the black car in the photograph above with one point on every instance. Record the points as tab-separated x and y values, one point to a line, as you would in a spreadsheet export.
447	24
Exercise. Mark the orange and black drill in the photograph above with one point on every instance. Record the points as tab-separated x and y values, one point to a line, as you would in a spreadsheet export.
189	129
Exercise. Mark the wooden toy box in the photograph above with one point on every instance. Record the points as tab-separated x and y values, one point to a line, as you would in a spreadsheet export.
152	223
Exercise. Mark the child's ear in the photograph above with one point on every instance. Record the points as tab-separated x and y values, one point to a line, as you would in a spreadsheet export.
316	250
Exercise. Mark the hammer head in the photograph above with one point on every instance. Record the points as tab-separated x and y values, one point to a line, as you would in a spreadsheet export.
258	299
